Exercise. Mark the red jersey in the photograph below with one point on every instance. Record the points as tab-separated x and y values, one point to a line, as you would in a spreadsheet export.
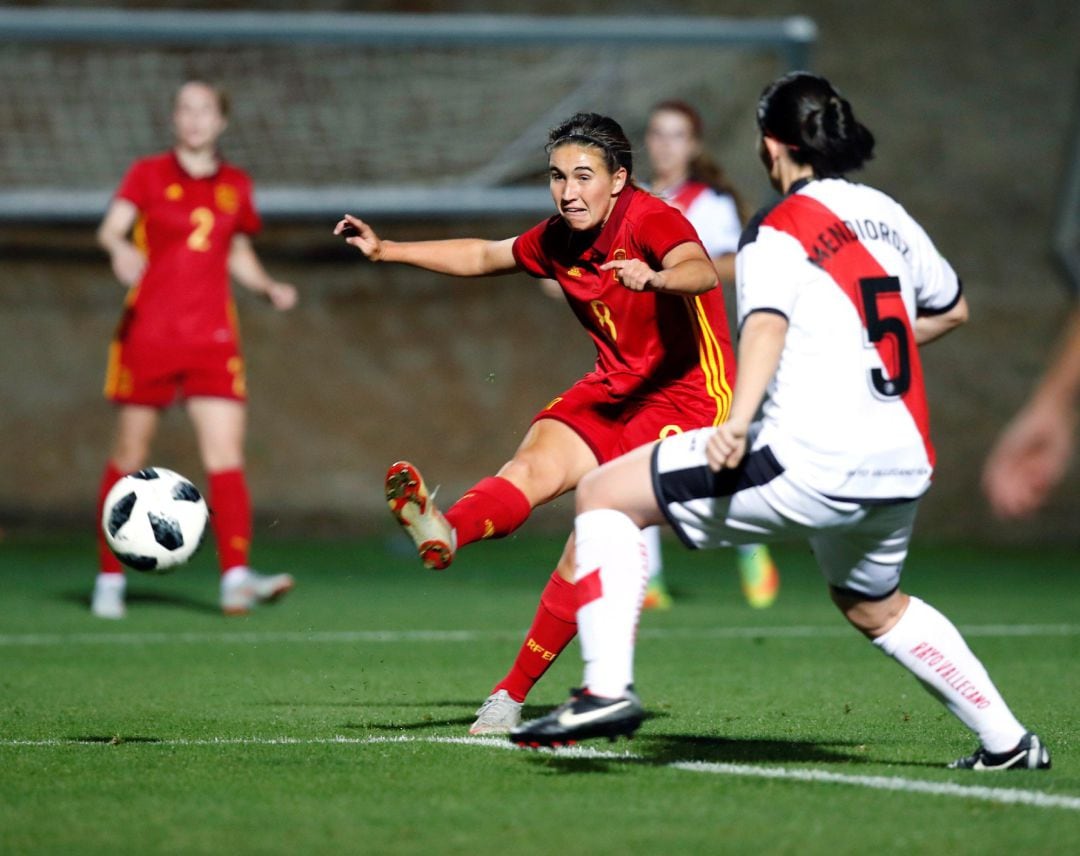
646	342
187	225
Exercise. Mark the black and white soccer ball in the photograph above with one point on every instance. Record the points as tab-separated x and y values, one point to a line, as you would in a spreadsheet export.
154	520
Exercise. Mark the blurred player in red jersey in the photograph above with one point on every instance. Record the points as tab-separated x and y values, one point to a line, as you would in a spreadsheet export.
683	174
177	228
643	287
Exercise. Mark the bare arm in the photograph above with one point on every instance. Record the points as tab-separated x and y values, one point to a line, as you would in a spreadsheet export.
684	270
725	268
761	343
1032	454
456	257
931	327
246	269
112	236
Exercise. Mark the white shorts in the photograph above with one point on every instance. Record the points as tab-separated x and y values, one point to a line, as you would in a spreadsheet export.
860	547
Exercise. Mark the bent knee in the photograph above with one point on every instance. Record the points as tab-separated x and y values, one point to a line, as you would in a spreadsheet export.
593	492
537	476
873	618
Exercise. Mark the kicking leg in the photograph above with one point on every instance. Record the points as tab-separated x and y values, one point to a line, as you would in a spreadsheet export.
550	461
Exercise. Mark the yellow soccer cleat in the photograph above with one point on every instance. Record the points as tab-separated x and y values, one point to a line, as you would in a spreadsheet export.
758	574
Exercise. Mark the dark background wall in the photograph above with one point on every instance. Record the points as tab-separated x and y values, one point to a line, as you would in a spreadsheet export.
971	103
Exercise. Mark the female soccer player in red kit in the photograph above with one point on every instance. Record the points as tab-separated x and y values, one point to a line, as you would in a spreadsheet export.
643	287
189	215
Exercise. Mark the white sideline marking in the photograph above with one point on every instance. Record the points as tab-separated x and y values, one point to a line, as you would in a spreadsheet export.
392	636
1008	796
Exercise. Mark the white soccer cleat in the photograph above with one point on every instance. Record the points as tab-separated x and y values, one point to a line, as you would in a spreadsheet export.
108	600
413	507
497	715
242	589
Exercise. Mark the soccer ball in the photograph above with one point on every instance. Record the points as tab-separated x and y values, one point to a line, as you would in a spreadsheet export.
154	520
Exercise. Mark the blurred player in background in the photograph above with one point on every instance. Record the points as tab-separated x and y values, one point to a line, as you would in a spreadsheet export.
1032	454
684	174
177	228
641	284
837	286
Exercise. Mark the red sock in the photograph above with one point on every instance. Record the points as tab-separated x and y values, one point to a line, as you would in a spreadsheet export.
492	508
552	629
107	562
231	518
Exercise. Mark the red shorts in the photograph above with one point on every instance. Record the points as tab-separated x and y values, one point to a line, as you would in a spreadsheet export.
156	375
612	425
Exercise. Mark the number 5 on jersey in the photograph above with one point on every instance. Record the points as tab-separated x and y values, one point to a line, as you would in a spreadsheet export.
885	316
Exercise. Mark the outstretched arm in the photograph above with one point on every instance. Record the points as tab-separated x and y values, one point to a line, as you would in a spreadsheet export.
456	257
1032	454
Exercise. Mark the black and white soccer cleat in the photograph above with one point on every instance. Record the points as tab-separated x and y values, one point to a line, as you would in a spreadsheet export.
581	717
1029	754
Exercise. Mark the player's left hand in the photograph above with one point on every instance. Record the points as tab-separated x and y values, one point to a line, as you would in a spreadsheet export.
632	273
1029	459
282	295
727	446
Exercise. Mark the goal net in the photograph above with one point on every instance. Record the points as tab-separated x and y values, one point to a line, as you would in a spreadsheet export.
381	104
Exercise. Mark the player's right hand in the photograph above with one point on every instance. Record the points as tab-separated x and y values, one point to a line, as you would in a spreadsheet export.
359	234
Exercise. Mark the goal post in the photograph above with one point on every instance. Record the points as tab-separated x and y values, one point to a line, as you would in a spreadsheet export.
402	115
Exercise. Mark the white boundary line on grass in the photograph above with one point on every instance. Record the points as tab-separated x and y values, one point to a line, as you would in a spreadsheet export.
1007	796
15	640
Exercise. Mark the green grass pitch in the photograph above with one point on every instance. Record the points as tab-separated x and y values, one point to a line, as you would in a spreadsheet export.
332	722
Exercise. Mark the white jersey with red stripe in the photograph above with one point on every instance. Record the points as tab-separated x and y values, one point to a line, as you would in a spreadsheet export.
850	270
714	216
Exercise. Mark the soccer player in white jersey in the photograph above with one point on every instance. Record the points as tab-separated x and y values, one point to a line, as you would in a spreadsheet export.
837	286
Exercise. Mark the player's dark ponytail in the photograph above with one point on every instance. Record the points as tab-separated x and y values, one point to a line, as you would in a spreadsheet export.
600	132
804	112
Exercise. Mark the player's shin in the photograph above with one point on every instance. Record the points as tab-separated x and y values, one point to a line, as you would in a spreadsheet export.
553	628
231	518
107	562
492	508
929	646
611	573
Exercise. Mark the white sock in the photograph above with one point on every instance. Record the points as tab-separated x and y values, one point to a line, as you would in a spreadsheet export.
610	575
927	644
236	575
654	559
112	581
